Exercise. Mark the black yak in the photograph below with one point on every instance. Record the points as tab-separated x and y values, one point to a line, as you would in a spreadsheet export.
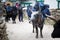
56	31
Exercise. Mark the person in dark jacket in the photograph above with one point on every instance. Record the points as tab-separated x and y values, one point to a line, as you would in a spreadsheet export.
20	13
29	12
8	12
14	13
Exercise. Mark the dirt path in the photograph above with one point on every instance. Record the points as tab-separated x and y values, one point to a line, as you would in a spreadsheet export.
23	31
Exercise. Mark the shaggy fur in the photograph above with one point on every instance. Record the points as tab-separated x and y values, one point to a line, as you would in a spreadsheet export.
56	31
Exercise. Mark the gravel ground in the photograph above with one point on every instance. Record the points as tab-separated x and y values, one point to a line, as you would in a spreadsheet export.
23	31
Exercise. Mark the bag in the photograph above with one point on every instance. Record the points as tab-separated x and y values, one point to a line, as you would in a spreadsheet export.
36	6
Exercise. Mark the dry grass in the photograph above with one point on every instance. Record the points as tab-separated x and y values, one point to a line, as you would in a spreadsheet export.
49	21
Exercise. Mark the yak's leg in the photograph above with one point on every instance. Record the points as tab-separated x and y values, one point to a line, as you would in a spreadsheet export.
41	31
41	28
33	28
36	32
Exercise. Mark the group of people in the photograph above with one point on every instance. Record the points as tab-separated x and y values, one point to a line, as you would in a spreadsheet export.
13	11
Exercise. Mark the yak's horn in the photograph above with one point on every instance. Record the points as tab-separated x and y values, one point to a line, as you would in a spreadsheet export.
52	18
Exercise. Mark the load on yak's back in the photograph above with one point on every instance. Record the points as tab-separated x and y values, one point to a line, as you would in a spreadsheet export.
41	9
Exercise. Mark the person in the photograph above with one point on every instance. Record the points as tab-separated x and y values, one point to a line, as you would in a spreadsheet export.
20	13
29	11
14	13
8	12
17	5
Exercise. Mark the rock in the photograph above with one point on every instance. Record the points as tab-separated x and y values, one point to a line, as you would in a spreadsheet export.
3	33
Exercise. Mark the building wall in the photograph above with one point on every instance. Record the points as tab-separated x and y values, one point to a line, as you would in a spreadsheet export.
4	0
33	2
52	3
